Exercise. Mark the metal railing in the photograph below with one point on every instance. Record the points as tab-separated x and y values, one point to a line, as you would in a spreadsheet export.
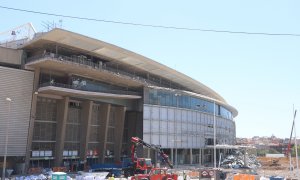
97	66
85	88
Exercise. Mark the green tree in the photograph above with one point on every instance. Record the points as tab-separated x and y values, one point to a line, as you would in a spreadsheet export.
262	152
294	152
273	151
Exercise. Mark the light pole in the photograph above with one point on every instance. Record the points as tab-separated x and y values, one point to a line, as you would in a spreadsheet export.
6	138
296	146
215	153
175	129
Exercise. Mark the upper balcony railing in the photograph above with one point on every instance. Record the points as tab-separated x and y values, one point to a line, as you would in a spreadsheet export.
100	66
86	88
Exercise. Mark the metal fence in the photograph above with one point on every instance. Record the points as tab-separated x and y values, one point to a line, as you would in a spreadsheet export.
100	66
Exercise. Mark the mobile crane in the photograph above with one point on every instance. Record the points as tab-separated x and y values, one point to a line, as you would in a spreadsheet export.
143	169
142	164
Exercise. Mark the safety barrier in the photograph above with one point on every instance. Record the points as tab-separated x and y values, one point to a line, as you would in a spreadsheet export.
245	177
59	169
35	170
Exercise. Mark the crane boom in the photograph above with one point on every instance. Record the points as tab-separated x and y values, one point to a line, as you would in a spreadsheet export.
137	141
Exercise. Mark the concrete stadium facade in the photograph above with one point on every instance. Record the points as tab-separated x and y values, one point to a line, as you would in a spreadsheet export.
78	99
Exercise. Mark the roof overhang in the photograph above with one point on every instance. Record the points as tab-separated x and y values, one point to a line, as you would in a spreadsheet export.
222	146
228	146
114	53
84	94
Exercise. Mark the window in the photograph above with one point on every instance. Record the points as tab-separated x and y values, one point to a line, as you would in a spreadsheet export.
168	98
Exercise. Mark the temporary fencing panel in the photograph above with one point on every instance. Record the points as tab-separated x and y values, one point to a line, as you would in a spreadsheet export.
59	176
244	177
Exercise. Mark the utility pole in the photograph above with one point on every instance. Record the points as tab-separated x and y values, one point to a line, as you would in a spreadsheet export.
215	152
6	138
296	146
289	145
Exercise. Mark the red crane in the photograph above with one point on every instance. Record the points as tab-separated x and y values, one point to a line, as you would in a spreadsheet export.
143	163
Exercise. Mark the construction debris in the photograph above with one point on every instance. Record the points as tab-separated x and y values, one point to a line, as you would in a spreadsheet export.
240	160
79	176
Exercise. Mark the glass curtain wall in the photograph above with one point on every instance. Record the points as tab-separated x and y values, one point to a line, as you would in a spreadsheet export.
172	99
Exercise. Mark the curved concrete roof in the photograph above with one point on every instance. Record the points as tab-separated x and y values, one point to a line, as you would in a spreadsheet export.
114	53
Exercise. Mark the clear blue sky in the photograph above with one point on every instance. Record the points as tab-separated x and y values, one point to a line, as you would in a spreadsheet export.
259	75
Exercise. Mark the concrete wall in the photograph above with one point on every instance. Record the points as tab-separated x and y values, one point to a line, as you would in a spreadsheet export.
17	85
10	56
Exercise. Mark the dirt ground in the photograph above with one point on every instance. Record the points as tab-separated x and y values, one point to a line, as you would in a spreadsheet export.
270	167
278	167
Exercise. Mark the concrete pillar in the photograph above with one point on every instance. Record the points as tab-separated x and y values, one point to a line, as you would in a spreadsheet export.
155	158
132	127
62	117
148	152
104	118
86	116
118	133
176	158
200	157
32	117
191	156
172	154
212	156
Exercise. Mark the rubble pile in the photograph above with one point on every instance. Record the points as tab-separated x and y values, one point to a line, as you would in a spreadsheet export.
33	177
79	176
237	160
253	162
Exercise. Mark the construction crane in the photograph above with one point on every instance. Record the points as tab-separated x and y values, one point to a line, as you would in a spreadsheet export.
141	163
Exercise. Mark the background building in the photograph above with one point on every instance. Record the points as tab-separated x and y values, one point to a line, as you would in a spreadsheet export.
77	99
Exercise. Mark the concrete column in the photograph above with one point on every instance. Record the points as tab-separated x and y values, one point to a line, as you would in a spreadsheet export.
118	133
172	154
32	117
176	158
132	127
62	117
155	158
135	128
148	153
86	116
104	118
200	157
212	156
191	156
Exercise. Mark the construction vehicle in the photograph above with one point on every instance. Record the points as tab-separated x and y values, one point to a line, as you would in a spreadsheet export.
143	163
143	167
137	165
